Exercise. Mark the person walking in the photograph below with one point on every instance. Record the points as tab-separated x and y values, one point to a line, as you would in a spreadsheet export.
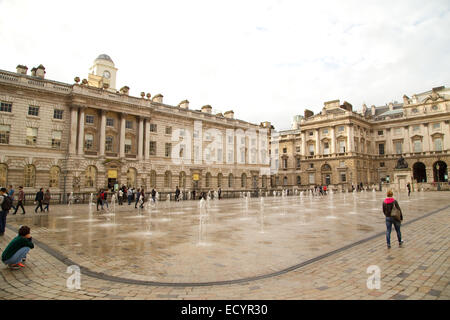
105	198
142	198
388	205
39	198
138	194
15	254
5	206
130	195
99	199
47	197
409	189
153	195
11	195
177	194
20	200
120	197
220	193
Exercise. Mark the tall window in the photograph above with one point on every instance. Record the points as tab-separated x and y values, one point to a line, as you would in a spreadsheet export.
168	151
299	181
127	145
398	147
167	179
243	180
90	119
230	181
128	124
33	111
417	146
109	122
3	174
58	114
343	177
153	127
438	144
219	180
285	181
54	177
285	163
381	148
208	180
311	149
29	176
88	141
109	144
90	177
31	136
168	130
182	179
153	148
153	178
56	139
4	134
298	163
5	106
341	129
326	148
312	178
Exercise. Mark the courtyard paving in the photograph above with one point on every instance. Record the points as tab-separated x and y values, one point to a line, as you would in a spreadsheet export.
278	248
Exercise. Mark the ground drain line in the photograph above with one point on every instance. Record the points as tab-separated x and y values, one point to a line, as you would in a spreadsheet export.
102	276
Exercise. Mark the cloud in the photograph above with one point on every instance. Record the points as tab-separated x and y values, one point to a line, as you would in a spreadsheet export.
266	60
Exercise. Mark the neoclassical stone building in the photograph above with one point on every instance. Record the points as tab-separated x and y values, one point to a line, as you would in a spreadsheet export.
341	147
88	135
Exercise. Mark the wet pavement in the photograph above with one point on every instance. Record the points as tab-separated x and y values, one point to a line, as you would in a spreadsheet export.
226	241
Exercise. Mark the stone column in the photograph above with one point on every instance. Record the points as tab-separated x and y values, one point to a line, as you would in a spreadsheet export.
333	140
73	130
102	132
304	151
147	139
81	132
317	134
122	135
141	138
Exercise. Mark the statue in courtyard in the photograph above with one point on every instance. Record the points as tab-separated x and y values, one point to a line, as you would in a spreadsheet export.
401	163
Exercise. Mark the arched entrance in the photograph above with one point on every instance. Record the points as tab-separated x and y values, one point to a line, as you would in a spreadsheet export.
326	174
440	173
419	172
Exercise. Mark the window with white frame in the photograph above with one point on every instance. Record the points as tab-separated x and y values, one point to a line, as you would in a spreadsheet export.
438	144
89	119
398	147
127	145
109	122
58	114
109	143
88	141
5	107
153	148
417	145
56	139
31	138
5	130
33	111
341	146
311	149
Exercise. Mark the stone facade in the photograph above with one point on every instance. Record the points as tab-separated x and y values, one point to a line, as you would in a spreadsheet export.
85	136
341	147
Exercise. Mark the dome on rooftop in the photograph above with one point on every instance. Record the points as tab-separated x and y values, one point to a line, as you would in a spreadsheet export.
105	57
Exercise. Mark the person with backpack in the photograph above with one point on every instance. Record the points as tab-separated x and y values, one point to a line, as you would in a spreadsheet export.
394	216
5	206
20	200
15	254
39	198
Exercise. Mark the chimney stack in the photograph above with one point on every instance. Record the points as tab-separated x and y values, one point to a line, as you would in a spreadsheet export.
308	113
229	114
40	71
184	104
158	98
124	90
207	109
21	69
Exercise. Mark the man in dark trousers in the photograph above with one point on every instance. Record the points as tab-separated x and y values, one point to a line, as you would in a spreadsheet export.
409	189
39	198
5	206
177	194
20	200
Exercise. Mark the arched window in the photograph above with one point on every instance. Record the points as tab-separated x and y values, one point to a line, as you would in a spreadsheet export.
208	180
131	177
153	179
219	180
326	167
182	179
54	177
299	181
29	176
167	179
3	174
285	181
230	181
91	177
419	172
243	180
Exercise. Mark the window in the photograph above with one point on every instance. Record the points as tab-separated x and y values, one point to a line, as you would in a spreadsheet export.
398	147
299	181
381	164
417	146
219	180
285	163
436	126
153	178
326	148
167	179
3	174
311	133
341	129
416	128
54	177
127	145
312	178
109	122
434	108
397	131
168	152
90	177
33	111
325	131
168	130
380	132
243	180
153	127
219	156
297	149
438	144
285	181
29	176
381	148
5	107
311	149
109	144
128	124
131	177
311	165
415	110
342	163
230	181
208	180
230	139
58	114
343	177
31	136
341	146
298	163
90	119
4	134
284	150
56	139
153	148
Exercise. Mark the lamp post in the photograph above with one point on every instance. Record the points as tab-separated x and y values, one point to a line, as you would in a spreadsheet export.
438	185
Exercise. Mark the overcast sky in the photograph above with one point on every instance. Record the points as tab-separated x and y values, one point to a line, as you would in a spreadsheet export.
266	60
